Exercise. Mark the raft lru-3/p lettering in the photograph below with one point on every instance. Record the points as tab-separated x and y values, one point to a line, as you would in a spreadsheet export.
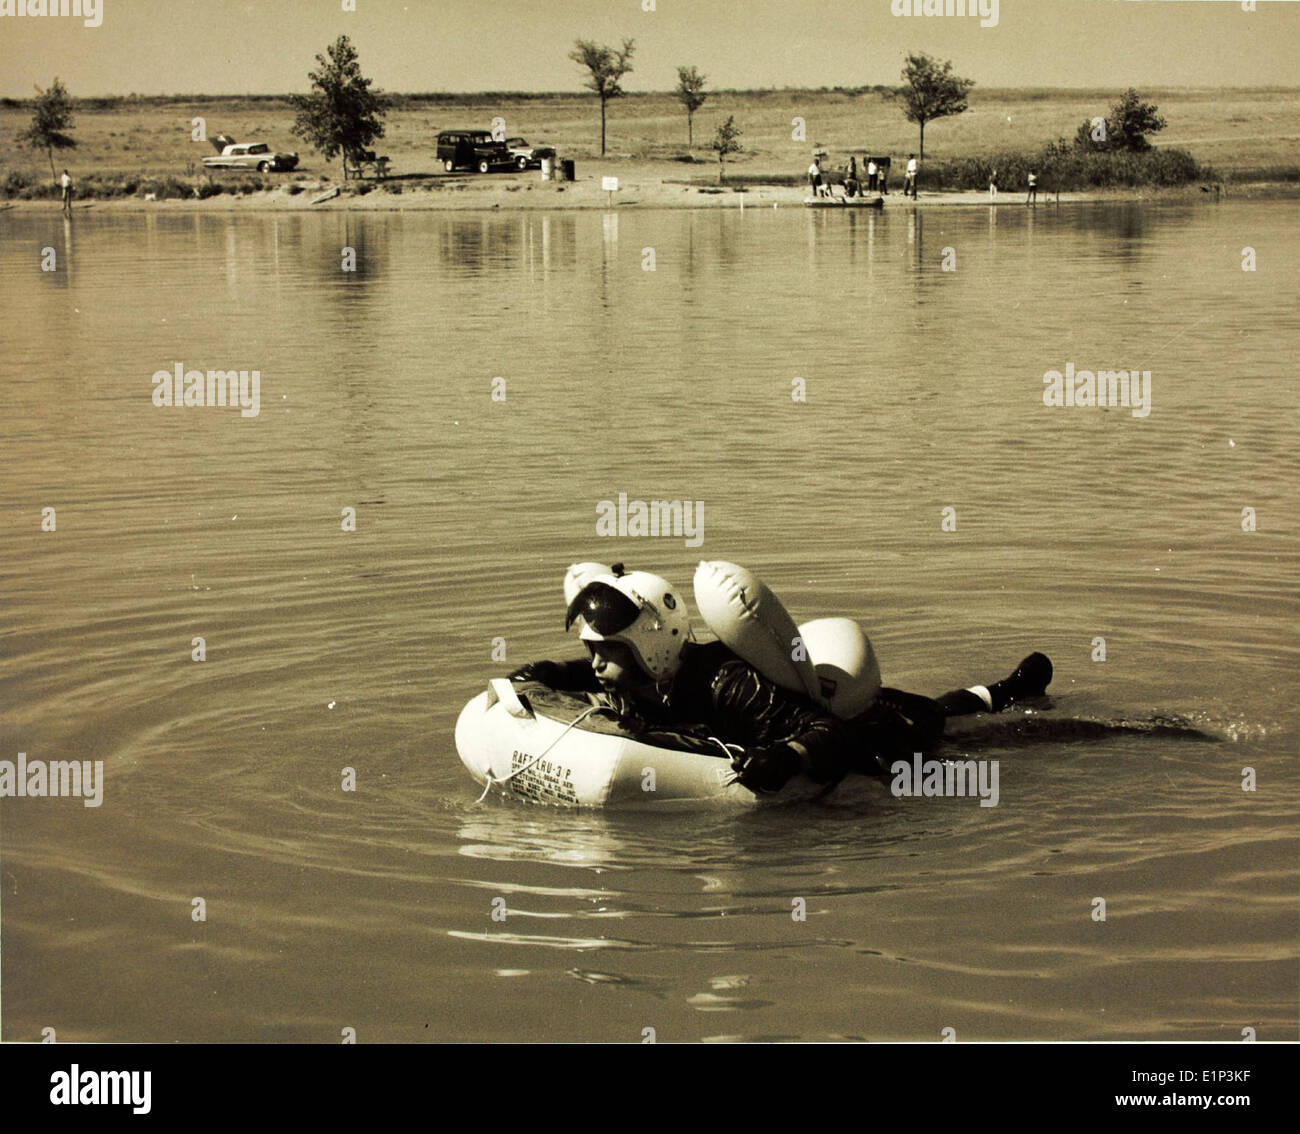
543	781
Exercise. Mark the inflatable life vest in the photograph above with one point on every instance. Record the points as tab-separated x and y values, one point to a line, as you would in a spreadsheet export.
829	660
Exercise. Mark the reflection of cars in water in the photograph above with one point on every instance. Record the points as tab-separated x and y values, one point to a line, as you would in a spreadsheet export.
248	155
472	149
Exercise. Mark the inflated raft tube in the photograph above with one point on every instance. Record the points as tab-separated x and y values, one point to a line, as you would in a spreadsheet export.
829	660
845	663
521	739
741	610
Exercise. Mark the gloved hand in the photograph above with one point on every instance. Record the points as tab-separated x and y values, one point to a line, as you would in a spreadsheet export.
547	672
767	769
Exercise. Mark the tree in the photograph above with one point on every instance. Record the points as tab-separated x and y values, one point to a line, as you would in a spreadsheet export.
725	142
1130	121
342	114
51	116
931	92
690	93
607	67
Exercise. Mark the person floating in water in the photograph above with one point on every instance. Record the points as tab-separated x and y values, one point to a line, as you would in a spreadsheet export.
644	663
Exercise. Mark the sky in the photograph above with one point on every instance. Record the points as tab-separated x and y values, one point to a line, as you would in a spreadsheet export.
268	46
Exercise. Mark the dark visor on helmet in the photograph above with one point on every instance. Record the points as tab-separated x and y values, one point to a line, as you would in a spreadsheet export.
606	610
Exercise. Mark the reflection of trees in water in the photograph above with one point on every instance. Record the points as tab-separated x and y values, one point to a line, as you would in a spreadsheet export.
481	244
1126	225
1119	229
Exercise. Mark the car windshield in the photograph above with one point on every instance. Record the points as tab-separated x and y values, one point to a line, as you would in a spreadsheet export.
519	143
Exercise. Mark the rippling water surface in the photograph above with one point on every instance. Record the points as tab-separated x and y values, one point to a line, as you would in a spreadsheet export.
327	649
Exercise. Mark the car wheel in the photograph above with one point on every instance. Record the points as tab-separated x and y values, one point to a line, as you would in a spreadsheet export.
263	166
522	163
449	165
484	166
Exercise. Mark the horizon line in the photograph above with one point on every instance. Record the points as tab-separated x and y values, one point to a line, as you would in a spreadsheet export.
670	93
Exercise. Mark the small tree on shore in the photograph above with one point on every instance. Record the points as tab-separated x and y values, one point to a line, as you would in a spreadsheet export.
931	91
606	67
725	142
51	116
342	114
1130	121
690	93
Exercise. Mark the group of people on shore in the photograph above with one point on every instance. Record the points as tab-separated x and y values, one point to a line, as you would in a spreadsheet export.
1031	182
876	171
870	175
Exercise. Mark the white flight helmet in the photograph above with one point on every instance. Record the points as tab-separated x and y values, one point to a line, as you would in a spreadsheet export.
639	609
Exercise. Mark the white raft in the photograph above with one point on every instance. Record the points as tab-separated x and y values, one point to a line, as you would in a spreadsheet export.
540	744
844	202
520	739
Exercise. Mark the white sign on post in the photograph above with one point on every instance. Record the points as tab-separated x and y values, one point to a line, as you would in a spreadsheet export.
609	184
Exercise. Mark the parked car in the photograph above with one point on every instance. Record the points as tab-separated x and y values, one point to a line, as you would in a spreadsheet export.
248	155
472	149
526	156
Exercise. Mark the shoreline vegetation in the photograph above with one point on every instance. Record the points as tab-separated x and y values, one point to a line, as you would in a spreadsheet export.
142	151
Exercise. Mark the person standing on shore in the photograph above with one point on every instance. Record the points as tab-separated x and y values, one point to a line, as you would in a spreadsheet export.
1032	198
993	183
66	182
815	176
909	182
851	177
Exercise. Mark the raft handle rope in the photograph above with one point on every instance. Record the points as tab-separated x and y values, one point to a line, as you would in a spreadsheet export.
726	751
493	781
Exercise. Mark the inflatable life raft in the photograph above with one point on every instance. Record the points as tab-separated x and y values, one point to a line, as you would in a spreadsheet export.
844	202
521	738
536	743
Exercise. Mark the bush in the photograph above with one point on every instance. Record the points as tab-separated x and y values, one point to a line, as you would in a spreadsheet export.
164	188
1067	169
396	186
1287	174
14	183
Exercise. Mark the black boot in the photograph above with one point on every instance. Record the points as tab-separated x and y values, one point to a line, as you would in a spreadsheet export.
1030	679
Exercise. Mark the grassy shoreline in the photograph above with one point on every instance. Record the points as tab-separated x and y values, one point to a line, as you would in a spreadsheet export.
131	146
644	189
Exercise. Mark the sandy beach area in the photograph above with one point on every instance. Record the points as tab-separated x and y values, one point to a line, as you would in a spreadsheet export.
641	185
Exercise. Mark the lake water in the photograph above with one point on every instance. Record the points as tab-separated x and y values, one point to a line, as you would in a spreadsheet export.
329	649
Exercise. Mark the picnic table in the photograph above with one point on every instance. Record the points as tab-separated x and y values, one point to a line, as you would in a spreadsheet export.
355	165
